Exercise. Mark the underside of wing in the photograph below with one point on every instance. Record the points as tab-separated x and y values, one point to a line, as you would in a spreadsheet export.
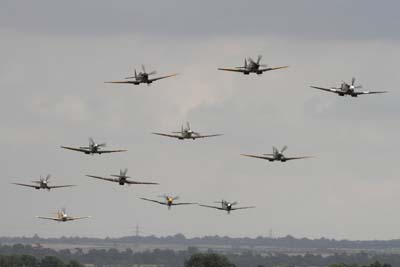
231	69
126	82
293	158
183	203
205	136
152	200
168	135
135	182
60	186
370	92
163	77
325	89
275	68
47	218
257	157
27	185
212	207
102	178
77	218
242	208
76	149
111	151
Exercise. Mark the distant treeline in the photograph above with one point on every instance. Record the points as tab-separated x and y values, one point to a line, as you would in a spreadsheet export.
170	258
282	242
30	261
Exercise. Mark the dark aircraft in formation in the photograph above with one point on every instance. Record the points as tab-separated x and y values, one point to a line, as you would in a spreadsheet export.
277	155
143	77
251	66
43	183
121	178
186	133
168	201
63	217
348	89
93	148
227	206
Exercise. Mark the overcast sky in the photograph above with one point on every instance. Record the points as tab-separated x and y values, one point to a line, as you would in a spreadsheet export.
56	55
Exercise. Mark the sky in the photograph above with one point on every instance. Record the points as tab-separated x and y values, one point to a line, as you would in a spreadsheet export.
56	56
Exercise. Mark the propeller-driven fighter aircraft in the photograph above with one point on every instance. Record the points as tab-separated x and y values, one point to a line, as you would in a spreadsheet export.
121	178
143	77
251	66
276	155
168	201
62	217
93	148
227	206
186	133
348	89
43	183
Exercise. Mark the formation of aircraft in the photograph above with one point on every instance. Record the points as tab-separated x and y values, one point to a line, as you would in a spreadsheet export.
143	77
168	201
121	178
251	66
186	133
226	206
63	217
348	89
43	183
93	148
277	155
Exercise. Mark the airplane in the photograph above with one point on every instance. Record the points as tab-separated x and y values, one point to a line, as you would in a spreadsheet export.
186	133
348	89
62	217
251	66
227	206
276	155
143	77
169	201
93	148
122	178
43	183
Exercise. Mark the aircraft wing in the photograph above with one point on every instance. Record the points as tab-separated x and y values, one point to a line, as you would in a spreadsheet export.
205	136
110	151
162	77
155	201
332	90
77	218
275	68
370	92
135	182
183	203
233	69
258	157
292	158
48	218
60	186
76	149
242	208
28	185
126	82
169	135
213	207
103	178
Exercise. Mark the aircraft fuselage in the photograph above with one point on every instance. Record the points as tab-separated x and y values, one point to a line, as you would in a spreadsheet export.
187	134
142	78
347	89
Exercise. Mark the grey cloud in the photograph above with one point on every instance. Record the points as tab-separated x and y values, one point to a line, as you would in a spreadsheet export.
354	140
305	19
